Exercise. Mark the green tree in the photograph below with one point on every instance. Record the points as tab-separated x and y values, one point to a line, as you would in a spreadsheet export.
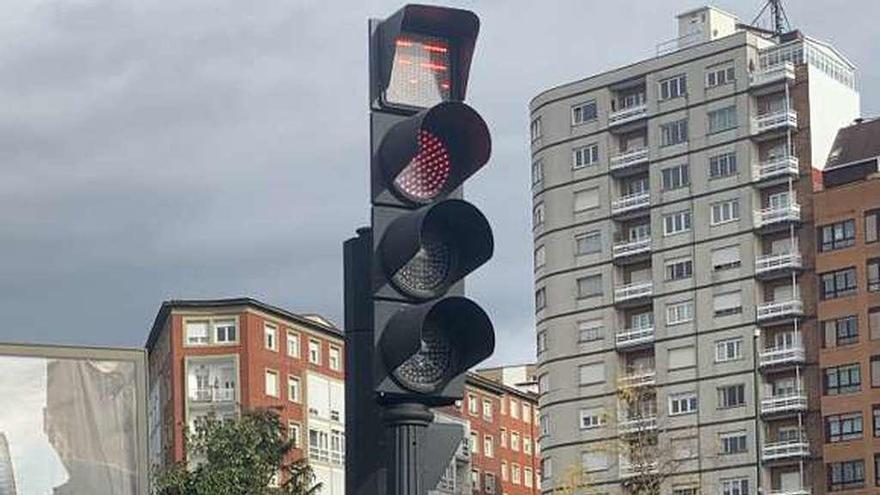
239	456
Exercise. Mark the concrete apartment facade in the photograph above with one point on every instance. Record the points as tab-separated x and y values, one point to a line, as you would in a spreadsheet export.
7	473
223	356
674	240
848	268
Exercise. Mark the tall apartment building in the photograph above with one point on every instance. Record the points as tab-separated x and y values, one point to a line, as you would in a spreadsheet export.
500	453
848	267
7	474
222	356
674	239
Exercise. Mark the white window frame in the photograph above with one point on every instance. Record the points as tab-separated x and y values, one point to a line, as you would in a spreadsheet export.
720	75
577	118
315	352
679	312
488	446
294	384
726	211
582	237
682	222
722	348
473	405
735	486
673	133
687	403
723	162
293	344
487	411
729	122
587	420
270	336
678	265
538	215
225	323
271	372
537	172
335	363
585	156
294	433
540	256
672	87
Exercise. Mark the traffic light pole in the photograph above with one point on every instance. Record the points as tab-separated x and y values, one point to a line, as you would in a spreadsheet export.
406	425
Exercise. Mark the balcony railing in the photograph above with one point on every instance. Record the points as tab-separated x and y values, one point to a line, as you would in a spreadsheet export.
772	310
629	159
775	120
213	395
628	470
633	291
773	262
776	214
634	425
631	248
638	379
628	114
777	404
631	202
775	356
634	336
773	74
776	167
786	449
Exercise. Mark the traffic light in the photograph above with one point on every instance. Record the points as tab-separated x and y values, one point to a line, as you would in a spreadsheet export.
426	239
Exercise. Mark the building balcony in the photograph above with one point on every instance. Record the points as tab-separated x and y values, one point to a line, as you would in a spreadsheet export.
631	205
782	405
782	356
628	426
788	449
641	378
634	337
777	265
777	216
779	311
772	171
630	251
628	470
767	79
213	395
627	115
633	294
629	162
773	122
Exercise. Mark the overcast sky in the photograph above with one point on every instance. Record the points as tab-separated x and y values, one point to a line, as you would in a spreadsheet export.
156	149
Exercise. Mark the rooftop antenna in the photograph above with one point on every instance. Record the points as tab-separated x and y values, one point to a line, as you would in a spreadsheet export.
778	17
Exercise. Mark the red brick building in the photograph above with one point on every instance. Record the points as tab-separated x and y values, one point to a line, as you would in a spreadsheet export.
223	356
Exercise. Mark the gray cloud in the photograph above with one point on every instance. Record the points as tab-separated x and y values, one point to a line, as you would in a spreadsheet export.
203	148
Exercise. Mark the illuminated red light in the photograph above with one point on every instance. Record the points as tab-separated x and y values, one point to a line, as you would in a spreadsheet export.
437	67
427	173
435	48
420	74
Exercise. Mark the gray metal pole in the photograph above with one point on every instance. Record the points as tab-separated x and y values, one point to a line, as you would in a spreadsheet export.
406	424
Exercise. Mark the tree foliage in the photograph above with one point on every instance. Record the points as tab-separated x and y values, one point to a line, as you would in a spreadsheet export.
237	456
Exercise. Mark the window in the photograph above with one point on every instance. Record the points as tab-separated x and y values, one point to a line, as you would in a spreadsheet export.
540	257
682	403
314	351
527	445
547	468
681	312
224	331
538	215
490	483
590	330
685	490
271	385
591	418
722	119
845	379
735	486
843	427
875	371
526	413
475	479
583	112
502	435
733	442
729	303
588	242
725	258
725	211
514	409
515	474
676	223
537	172
673	87
731	396
589	374
872	226
197	333
528	477
877	469
723	165
841	331
475	442
583	156
874	323
594	461
876	414
840	283
717	76
837	235
488	446
679	269
674	133
682	357
544	422
540	299
504	475
294	434
487	408
586	199
270	333
514	441
589	286
293	345
293	389
335	358
535	129
675	177
473	404
728	350
874	275
846	475
541	341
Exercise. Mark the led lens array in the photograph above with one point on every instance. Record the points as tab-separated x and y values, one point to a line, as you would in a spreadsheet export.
427	173
428	270
427	368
